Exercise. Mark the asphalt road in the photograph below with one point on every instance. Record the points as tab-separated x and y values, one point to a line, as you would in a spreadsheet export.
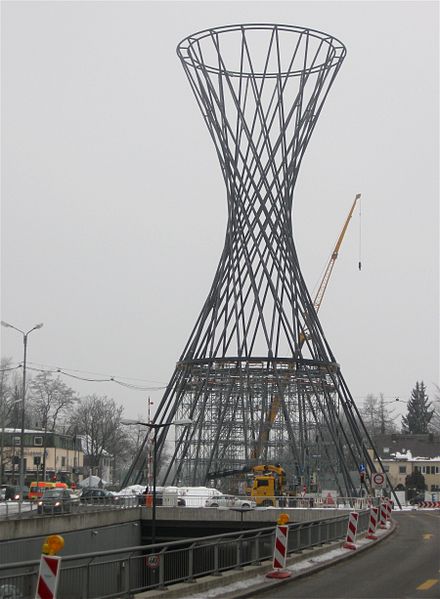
404	566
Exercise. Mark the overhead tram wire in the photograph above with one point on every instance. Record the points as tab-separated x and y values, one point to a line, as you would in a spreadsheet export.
94	373
109	379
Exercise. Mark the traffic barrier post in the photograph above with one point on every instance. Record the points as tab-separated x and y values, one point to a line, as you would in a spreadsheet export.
383	515
372	526
280	549
48	574
389	505
350	540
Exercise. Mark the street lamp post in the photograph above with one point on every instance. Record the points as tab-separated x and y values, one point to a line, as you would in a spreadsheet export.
23	396
155	427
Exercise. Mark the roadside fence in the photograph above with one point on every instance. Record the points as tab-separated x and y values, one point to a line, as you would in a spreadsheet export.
12	509
123	573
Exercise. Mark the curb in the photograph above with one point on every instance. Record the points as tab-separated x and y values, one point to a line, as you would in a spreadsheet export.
262	588
205	583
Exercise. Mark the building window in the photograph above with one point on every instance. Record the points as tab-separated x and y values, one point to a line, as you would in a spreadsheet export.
63	462
423	469
386	467
417	469
402	469
436	469
38	441
16	441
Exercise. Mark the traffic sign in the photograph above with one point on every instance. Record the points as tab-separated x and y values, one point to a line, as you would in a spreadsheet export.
153	561
378	479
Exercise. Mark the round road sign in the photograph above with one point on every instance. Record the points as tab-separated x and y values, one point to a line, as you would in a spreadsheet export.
153	561
378	479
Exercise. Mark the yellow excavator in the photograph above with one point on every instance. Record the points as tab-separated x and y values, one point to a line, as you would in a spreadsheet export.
275	402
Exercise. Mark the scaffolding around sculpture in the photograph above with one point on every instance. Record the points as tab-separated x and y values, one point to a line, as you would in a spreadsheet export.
257	376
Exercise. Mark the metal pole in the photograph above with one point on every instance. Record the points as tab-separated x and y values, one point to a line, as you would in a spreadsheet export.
20	501
153	519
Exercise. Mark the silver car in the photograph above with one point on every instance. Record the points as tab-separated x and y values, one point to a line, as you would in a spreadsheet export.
229	501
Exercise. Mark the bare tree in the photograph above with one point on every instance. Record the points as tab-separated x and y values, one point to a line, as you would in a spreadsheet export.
370	415
386	422
51	401
376	417
97	419
6	406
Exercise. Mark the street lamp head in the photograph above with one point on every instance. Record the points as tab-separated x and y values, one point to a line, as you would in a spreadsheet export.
11	326
127	421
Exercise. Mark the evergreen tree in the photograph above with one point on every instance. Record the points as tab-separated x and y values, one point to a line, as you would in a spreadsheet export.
419	415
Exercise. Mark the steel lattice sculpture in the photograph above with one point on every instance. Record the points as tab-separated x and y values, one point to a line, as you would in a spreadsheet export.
257	376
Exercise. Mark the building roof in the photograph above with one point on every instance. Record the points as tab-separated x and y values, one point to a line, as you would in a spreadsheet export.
26	430
419	446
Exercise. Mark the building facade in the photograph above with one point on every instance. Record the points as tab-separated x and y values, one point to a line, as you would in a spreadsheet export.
405	454
47	456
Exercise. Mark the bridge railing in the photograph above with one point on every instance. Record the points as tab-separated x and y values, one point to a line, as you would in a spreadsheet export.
122	573
12	509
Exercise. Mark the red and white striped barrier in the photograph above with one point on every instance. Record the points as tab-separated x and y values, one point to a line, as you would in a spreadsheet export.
429	504
389	505
280	553
48	577
383	515
351	531
372	525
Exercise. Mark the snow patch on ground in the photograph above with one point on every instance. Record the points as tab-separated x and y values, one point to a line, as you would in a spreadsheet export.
259	579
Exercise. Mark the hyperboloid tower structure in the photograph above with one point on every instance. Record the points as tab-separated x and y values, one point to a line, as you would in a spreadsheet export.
257	376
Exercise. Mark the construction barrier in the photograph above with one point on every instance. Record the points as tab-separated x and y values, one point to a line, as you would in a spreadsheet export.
48	577
372	526
47	582
430	504
389	509
383	515
280	549
350	539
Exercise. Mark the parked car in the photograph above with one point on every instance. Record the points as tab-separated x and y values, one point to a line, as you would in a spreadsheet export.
12	493
229	501
98	496
74	497
55	501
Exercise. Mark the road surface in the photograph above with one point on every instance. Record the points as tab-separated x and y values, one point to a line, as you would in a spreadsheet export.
404	566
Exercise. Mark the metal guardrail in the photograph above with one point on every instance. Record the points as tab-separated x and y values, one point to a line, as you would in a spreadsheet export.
122	573
11	509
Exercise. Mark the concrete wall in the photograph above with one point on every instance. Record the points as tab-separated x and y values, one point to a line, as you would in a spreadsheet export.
21	540
263	516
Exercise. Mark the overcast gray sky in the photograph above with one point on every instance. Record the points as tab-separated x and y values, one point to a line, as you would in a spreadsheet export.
114	210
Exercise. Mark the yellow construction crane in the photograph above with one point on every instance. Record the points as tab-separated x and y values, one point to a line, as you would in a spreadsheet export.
275	402
331	263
